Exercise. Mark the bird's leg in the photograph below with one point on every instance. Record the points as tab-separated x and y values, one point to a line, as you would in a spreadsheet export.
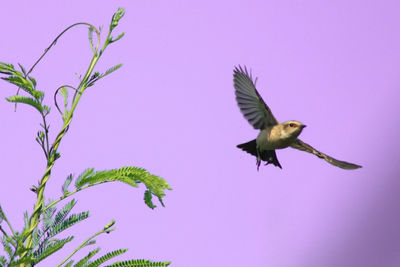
258	159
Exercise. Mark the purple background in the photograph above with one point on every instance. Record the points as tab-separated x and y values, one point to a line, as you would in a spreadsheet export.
333	65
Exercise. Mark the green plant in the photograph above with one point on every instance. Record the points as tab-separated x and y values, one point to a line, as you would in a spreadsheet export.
39	237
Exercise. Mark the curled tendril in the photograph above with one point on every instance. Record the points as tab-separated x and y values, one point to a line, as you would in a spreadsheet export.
55	96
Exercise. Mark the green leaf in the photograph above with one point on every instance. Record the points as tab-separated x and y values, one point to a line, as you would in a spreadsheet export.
22	69
7	247
3	261
129	175
69	264
50	248
111	70
26	259
50	223
106	257
26	100
86	173
84	260
21	82
2	215
91	38
33	81
65	224
91	242
118	37
46	109
26	220
7	69
48	217
64	93
139	263
95	77
148	199
66	184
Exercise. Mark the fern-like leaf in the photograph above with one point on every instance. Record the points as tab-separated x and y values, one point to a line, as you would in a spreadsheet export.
33	81
65	224
139	263
51	248
66	184
22	69
91	242
64	93
129	175
25	84
2	215
91	39
48	217
3	261
118	37
83	176
7	247
18	80
106	257
26	100
7	69
26	220
111	70
84	261
63	213
148	199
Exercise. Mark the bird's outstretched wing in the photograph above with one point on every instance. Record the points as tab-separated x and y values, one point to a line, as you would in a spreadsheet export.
300	145
250	102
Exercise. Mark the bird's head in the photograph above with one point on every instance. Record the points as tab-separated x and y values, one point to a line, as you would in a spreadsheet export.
292	129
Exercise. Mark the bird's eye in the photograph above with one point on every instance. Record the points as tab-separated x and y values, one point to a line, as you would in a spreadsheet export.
291	124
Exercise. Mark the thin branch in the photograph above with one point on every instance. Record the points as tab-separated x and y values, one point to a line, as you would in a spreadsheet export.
56	39
68	194
54	43
8	223
107	229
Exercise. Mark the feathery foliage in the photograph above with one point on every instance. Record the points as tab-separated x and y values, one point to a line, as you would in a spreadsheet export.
106	257
85	260
39	236
132	176
50	248
139	263
26	100
3	261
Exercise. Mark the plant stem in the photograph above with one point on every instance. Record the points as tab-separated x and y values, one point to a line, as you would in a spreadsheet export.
46	135
52	151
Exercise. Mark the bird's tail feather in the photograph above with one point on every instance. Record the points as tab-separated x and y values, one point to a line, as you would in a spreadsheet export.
268	156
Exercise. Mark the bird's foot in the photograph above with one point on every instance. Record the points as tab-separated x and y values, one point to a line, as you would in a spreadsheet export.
258	163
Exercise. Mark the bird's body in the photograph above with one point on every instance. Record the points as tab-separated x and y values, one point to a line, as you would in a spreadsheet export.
278	136
273	135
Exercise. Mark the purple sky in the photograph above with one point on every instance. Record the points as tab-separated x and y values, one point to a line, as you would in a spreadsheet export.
333	65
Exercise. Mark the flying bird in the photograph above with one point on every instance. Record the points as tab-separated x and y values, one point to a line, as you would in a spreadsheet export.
273	135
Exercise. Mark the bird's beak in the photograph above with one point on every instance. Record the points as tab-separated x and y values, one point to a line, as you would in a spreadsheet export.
303	126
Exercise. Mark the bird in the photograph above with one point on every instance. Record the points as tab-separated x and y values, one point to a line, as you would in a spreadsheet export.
273	135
